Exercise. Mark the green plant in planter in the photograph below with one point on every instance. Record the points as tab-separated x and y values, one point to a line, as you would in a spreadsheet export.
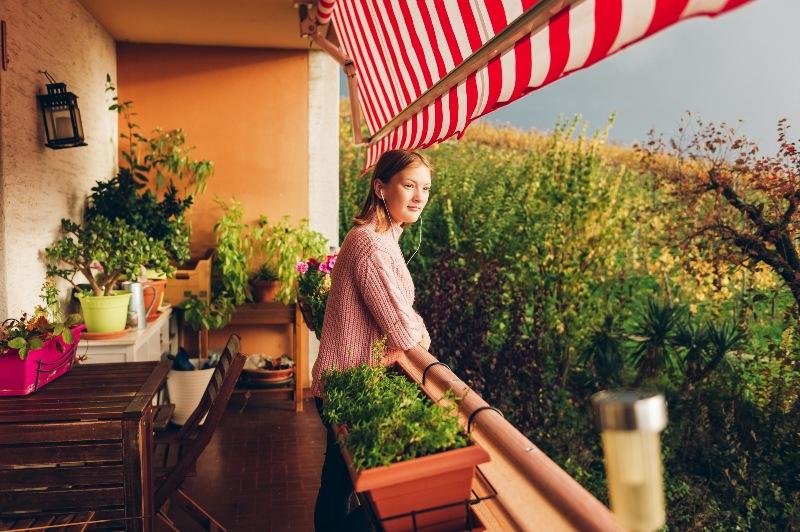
283	245
388	418
229	273
27	334
150	165
103	250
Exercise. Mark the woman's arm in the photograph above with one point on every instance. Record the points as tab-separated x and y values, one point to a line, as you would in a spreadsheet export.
380	290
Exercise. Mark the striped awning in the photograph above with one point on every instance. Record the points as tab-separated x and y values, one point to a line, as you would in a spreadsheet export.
402	49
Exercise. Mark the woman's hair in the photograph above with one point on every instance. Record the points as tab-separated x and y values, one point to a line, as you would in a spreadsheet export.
390	163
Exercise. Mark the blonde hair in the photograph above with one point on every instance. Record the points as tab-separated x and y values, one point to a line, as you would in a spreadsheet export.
391	163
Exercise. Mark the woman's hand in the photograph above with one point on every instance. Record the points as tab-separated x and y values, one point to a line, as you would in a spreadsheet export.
426	340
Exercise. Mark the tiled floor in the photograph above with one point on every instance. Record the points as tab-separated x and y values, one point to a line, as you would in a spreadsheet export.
261	470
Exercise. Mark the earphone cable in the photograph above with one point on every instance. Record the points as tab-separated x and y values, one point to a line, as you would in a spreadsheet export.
391	224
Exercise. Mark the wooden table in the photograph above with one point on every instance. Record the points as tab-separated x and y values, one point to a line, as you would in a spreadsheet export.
83	442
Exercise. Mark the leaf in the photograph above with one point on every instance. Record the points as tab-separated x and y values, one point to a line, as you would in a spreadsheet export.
35	343
17	343
67	336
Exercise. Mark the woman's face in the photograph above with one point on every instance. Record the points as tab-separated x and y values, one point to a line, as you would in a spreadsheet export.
407	192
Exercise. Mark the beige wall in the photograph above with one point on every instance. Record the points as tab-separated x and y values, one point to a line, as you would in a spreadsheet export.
246	110
39	186
243	108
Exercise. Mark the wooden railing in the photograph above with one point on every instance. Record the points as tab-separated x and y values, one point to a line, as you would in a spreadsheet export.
533	492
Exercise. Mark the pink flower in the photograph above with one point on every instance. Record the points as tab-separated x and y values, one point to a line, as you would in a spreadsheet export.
331	260
301	267
325	268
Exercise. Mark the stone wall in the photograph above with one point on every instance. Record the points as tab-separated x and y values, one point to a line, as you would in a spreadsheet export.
39	186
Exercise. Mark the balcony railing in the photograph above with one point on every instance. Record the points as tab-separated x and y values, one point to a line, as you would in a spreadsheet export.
533	492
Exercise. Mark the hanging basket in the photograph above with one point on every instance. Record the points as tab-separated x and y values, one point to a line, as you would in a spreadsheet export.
308	317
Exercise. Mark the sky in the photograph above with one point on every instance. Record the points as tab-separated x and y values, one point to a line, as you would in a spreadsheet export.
744	65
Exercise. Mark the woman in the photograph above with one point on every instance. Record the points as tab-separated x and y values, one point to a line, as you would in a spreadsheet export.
371	296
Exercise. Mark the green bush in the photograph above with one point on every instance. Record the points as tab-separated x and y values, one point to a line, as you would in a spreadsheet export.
545	274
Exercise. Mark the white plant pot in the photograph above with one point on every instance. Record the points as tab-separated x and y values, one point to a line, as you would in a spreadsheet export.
185	391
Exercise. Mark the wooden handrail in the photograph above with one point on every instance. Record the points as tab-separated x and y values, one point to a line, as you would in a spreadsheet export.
534	493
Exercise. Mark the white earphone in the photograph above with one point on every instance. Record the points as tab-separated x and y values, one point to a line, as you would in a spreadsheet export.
419	242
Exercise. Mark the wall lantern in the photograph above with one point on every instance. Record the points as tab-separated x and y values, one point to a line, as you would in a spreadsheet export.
631	423
62	118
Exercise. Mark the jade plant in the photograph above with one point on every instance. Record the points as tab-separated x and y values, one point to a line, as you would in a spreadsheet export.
103	251
387	416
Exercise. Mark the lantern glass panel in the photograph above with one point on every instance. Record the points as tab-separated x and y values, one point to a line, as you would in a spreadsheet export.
61	123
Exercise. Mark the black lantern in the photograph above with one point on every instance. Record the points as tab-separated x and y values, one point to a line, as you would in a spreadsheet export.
62	118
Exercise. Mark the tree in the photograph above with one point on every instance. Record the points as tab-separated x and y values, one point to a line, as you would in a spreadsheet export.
738	206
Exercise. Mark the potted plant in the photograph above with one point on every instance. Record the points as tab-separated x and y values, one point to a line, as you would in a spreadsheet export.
262	369
152	192
313	286
265	283
401	448
103	251
283	245
38	349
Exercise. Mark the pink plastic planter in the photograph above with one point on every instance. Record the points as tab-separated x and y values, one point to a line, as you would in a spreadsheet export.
21	377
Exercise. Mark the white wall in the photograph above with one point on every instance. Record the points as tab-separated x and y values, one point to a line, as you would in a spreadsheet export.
39	186
323	155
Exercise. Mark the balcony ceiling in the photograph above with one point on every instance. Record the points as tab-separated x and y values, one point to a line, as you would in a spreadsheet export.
256	23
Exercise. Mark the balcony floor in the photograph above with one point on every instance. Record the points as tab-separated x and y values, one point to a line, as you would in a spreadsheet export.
261	469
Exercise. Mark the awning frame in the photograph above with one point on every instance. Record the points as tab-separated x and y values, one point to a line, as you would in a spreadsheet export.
316	32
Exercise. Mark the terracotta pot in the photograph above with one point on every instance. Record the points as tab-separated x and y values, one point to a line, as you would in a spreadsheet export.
434	480
149	296
264	291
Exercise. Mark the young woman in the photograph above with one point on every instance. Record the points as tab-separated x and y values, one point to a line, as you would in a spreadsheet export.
372	296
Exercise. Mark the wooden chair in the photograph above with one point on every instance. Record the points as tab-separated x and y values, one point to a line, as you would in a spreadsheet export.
76	522
177	451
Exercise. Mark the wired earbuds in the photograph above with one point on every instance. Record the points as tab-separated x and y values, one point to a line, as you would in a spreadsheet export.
419	242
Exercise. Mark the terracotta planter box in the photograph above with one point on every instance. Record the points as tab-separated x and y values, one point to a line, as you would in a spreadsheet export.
419	484
434	480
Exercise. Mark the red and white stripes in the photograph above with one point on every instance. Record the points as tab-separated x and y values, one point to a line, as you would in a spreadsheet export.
324	11
402	48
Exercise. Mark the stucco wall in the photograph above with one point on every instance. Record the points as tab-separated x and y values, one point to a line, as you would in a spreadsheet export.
323	156
39	185
245	109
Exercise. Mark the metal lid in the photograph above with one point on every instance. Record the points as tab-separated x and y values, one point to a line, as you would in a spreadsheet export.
630	410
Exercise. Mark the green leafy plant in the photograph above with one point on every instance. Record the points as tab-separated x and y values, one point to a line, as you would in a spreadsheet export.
103	251
229	272
387	418
282	245
145	191
266	274
313	287
29	333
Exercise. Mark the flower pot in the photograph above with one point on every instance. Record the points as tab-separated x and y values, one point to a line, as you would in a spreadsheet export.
105	314
185	390
253	374
153	291
264	291
421	483
53	359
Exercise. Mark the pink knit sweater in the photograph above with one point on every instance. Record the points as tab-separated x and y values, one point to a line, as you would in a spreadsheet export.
371	295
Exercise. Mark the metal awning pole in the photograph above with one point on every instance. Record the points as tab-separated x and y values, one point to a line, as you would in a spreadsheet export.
528	22
310	29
